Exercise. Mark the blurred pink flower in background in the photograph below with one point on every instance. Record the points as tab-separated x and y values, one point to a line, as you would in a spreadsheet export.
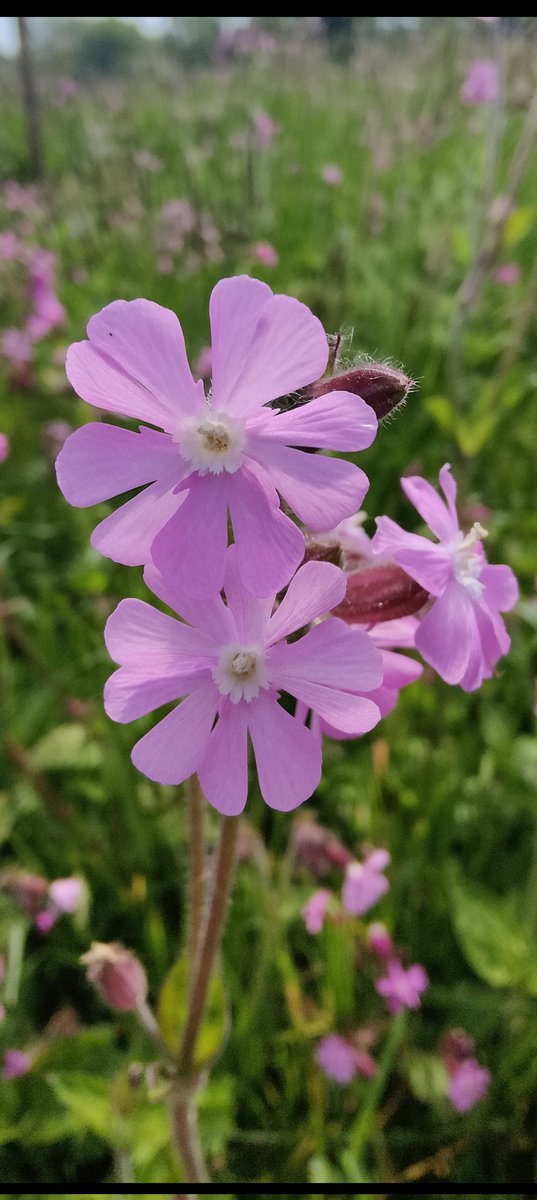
400	987
204	363
482	83
10	247
16	1063
4	447
265	129
468	1084
336	1058
264	253
364	883
66	89
147	161
332	174
507	274
314	911
16	345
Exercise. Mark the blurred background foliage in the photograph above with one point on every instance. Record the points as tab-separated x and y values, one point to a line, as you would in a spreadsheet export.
401	255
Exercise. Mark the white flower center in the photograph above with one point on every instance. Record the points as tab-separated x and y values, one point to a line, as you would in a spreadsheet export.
212	443
467	564
241	672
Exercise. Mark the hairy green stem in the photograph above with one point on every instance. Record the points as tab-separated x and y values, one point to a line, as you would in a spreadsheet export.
363	1126
210	944
196	869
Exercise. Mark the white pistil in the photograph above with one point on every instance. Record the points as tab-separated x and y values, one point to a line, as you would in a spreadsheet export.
241	672
212	443
467	563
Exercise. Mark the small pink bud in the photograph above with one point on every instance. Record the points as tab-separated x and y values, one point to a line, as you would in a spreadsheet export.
315	847
16	1063
45	920
383	388
377	594
28	891
379	940
117	975
456	1046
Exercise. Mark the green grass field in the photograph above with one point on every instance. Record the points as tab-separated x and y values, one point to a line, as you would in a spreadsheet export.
447	782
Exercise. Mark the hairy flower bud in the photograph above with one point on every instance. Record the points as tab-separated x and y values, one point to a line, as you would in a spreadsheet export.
382	593
28	891
319	551
382	387
315	847
117	975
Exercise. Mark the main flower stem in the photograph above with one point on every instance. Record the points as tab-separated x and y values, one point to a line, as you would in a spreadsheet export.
196	869
210	945
207	943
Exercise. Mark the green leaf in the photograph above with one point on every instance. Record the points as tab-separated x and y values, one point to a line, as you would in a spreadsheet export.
88	1100
66	748
493	938
426	1074
172	1009
518	224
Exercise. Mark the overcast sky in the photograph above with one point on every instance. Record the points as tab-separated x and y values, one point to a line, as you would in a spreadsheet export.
148	25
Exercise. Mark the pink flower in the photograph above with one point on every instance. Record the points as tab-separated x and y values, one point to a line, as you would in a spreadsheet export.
265	129
228	452
402	988
232	661
468	1084
337	1058
10	247
379	940
482	84
314	912
16	345
332	175
364	883
463	635
507	274
264	253
16	1063
4	447
204	363
45	920
65	895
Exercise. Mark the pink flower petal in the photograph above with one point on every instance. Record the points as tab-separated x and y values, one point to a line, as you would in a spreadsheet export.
126	535
174	749
192	546
337	421
501	587
100	461
316	588
130	694
449	488
332	654
428	563
445	636
223	773
250	614
321	491
282	349
137	364
287	754
136	633
399	670
235	308
210	615
430	507
269	545
401	632
343	712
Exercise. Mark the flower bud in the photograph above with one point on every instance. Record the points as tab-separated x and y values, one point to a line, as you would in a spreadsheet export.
28	891
456	1046
319	551
379	940
382	387
377	594
117	975
315	847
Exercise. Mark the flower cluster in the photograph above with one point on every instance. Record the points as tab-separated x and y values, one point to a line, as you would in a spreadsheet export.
263	618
